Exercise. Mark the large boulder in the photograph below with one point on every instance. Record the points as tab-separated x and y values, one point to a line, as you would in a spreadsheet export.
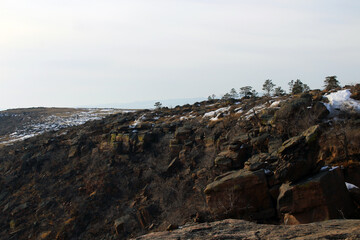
288	109
298	156
240	194
319	111
229	159
321	197
259	161
183	133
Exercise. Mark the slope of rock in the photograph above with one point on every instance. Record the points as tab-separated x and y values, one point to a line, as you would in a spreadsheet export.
240	229
137	172
20	124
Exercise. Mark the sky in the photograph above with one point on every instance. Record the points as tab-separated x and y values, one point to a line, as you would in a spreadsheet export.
73	53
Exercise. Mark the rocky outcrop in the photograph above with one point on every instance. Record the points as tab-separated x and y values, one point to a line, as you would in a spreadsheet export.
153	170
298	156
321	197
241	194
239	229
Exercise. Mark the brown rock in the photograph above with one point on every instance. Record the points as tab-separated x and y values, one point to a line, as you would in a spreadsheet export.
173	166
241	194
258	161
274	145
228	159
73	152
298	156
144	217
171	227
355	194
240	229
183	133
319	111
321	197
175	150
119	224
352	173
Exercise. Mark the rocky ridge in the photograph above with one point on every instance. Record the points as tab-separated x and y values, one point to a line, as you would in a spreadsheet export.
288	160
20	124
240	229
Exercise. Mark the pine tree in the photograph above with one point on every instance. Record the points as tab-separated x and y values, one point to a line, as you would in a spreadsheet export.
246	91
268	87
158	105
331	83
297	87
279	92
226	96
233	93
211	97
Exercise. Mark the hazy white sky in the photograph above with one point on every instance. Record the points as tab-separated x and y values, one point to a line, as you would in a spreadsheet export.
77	52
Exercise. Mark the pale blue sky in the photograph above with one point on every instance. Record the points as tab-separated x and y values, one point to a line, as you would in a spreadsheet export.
89	53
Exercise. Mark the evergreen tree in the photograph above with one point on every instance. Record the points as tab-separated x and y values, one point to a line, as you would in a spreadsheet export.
212	97
246	91
158	105
297	87
253	93
279	92
331	83
233	93
226	96
268	87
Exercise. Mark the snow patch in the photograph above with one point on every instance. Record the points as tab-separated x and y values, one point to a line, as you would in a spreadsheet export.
275	104
216	113
183	118
138	121
341	101
251	112
350	186
267	171
55	123
333	168
324	168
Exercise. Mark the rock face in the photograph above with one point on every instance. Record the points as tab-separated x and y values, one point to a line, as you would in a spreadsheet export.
321	197
136	172
239	229
298	156
241	194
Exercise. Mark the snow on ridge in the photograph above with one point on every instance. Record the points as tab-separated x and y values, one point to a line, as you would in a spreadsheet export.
183	118
138	121
216	113
55	123
341	101
251	112
275	104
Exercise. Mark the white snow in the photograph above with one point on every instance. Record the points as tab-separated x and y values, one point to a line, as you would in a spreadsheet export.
350	186
333	168
239	110
216	113
138	121
254	110
341	101
183	118
275	104
324	168
267	171
55	123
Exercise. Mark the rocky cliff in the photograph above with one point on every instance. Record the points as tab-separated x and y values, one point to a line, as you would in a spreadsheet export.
288	160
